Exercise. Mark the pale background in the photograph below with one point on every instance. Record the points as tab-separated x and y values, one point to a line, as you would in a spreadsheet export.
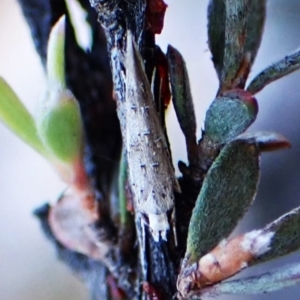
28	266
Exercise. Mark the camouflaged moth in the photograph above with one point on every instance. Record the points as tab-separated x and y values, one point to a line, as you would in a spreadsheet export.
151	173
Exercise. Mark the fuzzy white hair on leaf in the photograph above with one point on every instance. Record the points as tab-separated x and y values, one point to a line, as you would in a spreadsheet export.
257	242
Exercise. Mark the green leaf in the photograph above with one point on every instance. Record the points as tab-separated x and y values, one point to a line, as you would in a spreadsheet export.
56	55
227	191
181	93
59	122
182	100
234	33
16	117
60	127
229	115
285	66
286	237
122	181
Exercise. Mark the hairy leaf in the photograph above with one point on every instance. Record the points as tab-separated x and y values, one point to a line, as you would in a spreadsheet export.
234	32
285	66
286	237
182	99
229	115
227	191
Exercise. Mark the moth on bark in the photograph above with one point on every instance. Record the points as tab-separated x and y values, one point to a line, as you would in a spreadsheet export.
151	173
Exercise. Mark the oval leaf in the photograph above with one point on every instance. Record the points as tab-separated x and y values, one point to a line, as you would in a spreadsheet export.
60	127
227	191
229	115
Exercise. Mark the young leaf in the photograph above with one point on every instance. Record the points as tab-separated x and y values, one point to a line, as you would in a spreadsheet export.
16	117
56	56
59	121
227	191
229	115
287	65
60	127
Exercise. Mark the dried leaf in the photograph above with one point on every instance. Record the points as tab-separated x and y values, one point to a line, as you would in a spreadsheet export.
266	141
155	14
224	261
230	257
71	220
162	67
151	173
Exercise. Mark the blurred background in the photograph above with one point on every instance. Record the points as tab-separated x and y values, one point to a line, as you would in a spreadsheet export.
28	265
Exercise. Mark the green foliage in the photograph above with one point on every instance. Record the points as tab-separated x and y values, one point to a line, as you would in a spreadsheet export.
181	94
16	117
286	236
283	67
234	33
57	132
60	128
227	191
56	55
229	115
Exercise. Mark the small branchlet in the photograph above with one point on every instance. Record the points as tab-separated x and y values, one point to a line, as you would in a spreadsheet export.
229	158
57	134
223	166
